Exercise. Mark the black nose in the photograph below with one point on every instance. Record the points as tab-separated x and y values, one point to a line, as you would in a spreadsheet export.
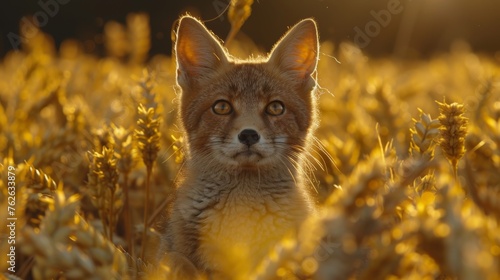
249	137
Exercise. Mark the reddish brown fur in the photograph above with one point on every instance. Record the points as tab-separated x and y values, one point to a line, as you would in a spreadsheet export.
243	84
237	195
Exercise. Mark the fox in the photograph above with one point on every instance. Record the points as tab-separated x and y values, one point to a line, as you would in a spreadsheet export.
247	126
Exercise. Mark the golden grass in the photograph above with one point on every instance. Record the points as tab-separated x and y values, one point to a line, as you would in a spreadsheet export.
239	11
393	206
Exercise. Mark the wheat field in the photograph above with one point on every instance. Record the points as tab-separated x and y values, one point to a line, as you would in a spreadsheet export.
406	165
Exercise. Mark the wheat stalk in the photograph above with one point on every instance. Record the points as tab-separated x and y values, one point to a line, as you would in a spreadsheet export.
389	213
66	245
139	37
239	12
387	113
115	39
424	136
103	184
148	138
41	188
126	160
453	130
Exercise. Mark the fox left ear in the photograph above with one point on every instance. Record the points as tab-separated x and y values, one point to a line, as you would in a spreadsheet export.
198	52
296	54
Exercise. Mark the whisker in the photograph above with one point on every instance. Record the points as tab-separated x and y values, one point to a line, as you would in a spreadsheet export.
308	174
323	149
280	158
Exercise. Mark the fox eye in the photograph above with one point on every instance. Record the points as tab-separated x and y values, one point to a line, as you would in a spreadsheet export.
275	108
222	107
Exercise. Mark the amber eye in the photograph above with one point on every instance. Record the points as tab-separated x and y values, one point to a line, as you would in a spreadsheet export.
275	108
222	107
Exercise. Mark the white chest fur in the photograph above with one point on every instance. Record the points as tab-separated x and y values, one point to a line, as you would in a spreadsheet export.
243	228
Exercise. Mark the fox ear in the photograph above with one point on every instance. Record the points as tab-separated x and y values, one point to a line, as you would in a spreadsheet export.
197	50
296	54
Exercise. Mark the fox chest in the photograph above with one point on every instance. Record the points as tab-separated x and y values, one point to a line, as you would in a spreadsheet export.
238	233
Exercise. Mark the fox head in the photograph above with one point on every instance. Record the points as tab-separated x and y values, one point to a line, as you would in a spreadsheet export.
246	113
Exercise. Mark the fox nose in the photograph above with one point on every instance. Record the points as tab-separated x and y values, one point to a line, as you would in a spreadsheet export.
248	137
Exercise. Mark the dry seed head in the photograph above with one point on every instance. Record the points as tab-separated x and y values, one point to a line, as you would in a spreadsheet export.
386	109
115	39
148	134
67	245
106	166
40	189
177	147
124	149
103	172
105	193
40	181
102	138
139	36
462	229
453	130
424	136
147	84
425	184
365	182
93	180
345	154
239	12
55	146
485	91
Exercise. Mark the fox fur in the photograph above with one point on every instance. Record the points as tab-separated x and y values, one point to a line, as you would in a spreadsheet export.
236	201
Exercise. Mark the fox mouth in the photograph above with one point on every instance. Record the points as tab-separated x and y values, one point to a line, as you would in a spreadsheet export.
248	157
247	154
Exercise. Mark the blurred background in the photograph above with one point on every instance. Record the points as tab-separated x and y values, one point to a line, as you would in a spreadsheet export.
389	27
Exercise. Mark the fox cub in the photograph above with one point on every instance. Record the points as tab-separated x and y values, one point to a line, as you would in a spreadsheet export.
247	126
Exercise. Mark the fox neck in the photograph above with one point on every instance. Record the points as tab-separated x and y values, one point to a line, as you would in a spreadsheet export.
255	177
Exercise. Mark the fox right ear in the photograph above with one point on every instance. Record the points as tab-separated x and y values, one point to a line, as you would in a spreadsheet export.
197	50
296	54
